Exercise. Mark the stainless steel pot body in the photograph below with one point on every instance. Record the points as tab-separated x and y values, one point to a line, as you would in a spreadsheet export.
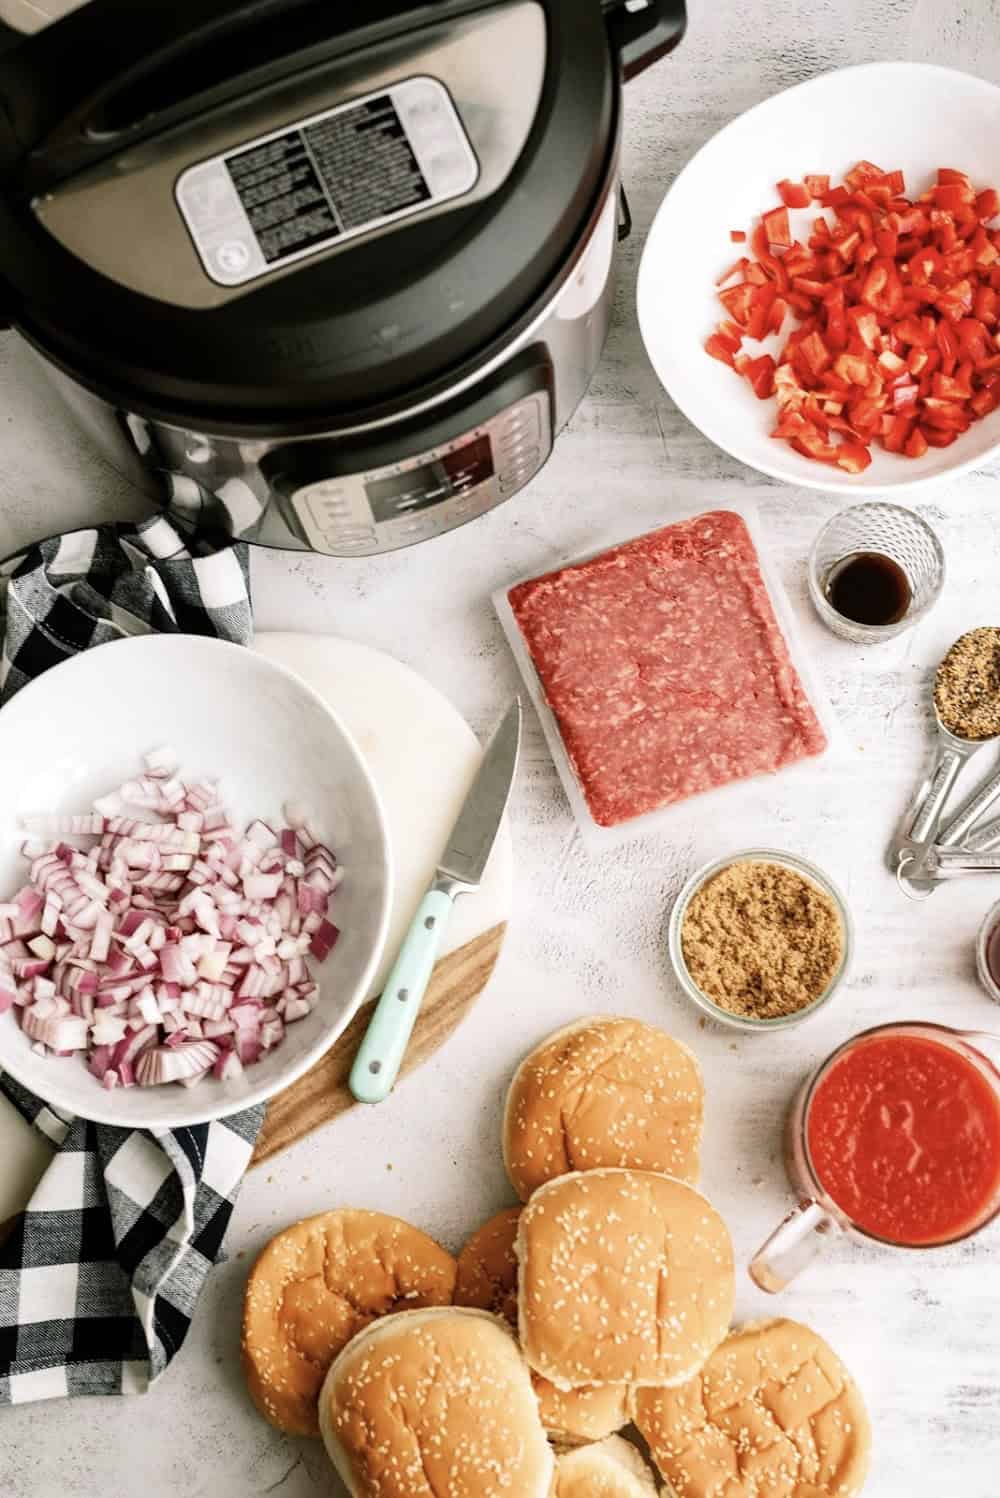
356	490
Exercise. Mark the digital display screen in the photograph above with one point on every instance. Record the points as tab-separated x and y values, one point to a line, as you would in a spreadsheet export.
431	483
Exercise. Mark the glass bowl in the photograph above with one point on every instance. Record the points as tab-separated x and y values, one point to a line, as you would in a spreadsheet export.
701	1000
986	930
887	530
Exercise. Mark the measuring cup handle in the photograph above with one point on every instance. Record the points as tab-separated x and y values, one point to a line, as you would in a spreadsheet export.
928	812
794	1244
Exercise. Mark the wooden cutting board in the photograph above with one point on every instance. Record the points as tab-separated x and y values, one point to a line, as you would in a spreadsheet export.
423	756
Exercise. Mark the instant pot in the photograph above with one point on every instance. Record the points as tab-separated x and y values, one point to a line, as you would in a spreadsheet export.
327	276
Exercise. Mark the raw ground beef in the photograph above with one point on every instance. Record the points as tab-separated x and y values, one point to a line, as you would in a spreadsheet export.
665	667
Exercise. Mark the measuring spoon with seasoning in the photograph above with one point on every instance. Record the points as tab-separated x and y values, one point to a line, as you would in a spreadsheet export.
967	714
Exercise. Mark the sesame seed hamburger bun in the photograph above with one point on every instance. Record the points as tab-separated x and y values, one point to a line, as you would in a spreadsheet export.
603	1092
435	1402
487	1268
574	1417
487	1279
315	1286
773	1411
626	1277
614	1469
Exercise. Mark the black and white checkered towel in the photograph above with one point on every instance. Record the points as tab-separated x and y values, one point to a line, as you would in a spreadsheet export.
101	1274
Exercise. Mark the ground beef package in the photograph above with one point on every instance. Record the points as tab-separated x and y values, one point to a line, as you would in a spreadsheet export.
661	671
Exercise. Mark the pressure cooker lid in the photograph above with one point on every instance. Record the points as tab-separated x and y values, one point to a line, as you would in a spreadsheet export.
267	209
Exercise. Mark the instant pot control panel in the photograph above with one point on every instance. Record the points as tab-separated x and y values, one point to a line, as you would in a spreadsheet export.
339	503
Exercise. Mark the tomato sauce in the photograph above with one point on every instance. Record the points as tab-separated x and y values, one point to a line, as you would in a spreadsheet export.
904	1135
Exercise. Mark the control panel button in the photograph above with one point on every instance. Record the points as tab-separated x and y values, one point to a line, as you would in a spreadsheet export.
338	541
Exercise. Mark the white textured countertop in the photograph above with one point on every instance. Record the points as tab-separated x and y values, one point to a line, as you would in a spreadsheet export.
921	1331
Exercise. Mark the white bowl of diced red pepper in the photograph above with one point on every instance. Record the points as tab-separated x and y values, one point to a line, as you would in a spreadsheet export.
820	290
195	881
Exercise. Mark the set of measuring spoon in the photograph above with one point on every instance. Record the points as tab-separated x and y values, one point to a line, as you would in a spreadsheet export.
967	715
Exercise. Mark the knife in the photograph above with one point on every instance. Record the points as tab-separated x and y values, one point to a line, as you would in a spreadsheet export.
460	870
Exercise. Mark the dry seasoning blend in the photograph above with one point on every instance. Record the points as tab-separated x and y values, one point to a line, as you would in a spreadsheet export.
761	940
967	685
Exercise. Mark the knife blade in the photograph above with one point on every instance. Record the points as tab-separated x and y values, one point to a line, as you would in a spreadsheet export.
460	869
473	835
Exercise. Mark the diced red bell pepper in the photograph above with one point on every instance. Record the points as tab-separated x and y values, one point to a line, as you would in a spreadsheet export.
738	236
803	305
947	342
793	194
864	325
887	242
811	443
864	171
815	353
898	314
988	204
760	311
777	227
806	286
973	339
760	373
923	265
836	320
910	330
985	305
951	388
852	457
882	289
738	302
853	369
895	437
893	180
955	301
847	244
720	348
952	197
943	413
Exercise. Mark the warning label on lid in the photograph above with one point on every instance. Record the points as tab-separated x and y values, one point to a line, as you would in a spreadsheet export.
333	176
341	173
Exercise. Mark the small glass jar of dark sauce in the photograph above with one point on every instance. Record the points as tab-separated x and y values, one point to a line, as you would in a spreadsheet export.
874	571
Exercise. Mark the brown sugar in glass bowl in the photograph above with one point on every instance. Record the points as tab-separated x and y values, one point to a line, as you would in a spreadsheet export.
760	940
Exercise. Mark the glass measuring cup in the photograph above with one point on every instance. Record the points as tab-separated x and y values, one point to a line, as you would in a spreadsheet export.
818	1219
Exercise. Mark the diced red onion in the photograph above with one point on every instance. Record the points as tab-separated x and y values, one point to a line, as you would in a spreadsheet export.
168	932
324	940
175	1063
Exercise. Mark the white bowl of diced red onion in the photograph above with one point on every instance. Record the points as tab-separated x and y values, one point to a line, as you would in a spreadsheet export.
195	881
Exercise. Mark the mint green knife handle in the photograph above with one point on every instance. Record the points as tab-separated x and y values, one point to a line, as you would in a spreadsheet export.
380	1056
